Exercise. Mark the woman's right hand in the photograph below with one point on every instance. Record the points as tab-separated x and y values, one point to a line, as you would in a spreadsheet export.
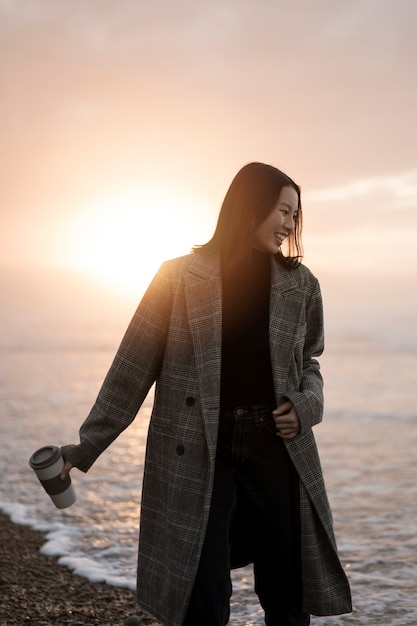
66	470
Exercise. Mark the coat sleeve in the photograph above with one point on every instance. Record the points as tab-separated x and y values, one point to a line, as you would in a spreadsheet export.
130	377
308	399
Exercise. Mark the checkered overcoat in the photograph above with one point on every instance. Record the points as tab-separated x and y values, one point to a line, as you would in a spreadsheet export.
174	339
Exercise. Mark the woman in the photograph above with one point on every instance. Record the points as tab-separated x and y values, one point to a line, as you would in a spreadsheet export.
232	474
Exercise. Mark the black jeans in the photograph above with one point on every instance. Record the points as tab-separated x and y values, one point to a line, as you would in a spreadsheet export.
253	473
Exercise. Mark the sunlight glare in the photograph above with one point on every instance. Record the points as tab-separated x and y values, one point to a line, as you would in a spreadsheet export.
120	238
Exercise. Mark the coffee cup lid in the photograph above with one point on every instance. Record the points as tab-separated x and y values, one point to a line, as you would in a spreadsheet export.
44	457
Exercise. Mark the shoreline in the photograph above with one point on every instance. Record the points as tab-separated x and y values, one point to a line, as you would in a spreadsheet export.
35	589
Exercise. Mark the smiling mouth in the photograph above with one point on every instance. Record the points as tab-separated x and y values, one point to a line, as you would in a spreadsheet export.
279	237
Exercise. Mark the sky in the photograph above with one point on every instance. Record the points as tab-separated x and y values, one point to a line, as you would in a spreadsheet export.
123	124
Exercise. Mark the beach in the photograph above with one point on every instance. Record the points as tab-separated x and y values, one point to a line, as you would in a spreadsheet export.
78	565
35	589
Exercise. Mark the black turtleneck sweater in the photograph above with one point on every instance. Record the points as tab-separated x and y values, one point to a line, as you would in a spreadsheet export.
246	374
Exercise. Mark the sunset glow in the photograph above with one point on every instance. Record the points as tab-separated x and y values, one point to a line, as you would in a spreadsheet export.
121	237
124	124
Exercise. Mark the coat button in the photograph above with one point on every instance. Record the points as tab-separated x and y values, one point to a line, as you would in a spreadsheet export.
180	450
190	401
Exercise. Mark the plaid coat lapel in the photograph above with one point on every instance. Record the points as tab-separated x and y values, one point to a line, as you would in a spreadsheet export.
283	324
204	309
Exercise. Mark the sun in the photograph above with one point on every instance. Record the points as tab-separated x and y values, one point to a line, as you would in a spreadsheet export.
121	236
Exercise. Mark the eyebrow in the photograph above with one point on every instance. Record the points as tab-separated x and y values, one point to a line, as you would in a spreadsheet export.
286	204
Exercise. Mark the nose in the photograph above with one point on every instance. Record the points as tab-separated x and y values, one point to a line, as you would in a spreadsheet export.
289	223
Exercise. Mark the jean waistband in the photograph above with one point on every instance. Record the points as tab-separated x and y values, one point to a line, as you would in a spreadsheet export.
241	412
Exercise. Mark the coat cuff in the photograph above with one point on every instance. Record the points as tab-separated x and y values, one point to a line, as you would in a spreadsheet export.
309	409
78	457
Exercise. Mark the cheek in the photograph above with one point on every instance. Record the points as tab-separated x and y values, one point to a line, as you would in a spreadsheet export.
269	225
264	231
279	220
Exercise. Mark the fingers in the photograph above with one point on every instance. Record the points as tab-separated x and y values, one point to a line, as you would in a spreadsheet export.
286	421
283	409
288	433
66	470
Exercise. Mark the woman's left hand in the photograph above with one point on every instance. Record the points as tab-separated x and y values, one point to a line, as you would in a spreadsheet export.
286	421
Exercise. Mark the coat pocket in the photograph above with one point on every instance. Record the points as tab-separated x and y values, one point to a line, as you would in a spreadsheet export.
161	425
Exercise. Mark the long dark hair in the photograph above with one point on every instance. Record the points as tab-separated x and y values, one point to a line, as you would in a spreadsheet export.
252	195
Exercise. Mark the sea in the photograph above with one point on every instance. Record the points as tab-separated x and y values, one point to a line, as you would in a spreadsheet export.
54	357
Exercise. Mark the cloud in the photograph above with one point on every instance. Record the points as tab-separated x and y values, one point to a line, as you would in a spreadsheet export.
100	91
368	224
403	187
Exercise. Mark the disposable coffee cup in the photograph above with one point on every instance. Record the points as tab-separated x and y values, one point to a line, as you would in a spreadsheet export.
47	463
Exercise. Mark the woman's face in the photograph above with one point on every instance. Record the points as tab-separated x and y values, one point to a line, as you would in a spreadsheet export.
279	224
